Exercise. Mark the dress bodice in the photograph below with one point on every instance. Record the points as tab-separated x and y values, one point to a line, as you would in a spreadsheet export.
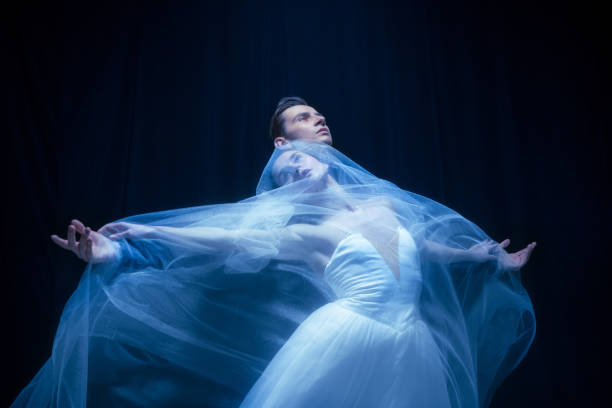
362	280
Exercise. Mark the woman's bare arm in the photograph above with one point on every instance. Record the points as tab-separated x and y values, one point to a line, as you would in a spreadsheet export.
481	252
291	243
295	242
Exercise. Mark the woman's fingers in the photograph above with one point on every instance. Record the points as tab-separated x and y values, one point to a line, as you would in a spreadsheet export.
59	241
84	246
72	239
529	250
504	243
89	251
485	244
78	225
80	246
489	247
83	243
521	257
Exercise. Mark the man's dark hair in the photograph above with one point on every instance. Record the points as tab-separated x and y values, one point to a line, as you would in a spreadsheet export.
276	123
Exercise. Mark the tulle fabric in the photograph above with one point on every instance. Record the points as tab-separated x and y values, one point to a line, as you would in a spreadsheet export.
174	323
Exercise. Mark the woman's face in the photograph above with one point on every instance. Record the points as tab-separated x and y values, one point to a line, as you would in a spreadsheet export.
294	165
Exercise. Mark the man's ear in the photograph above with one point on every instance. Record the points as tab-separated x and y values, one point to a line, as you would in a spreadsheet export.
280	142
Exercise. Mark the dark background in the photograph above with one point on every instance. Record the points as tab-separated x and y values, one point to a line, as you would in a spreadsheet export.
499	111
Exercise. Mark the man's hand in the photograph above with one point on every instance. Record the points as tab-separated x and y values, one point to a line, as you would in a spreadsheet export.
91	247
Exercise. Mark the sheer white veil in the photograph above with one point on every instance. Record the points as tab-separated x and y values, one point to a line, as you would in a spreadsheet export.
176	324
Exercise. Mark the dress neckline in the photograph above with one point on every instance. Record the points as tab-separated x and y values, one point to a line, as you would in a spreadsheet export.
351	234
331	258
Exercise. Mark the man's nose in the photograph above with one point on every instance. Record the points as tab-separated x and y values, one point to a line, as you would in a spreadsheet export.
320	121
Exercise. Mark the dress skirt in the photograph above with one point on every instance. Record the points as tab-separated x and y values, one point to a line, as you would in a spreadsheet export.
339	357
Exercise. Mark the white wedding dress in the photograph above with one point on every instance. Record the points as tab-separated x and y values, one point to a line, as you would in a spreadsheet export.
369	348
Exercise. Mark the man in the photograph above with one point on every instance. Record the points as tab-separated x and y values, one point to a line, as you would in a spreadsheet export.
294	119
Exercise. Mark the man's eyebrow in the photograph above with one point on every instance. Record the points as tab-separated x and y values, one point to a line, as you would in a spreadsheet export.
300	114
305	114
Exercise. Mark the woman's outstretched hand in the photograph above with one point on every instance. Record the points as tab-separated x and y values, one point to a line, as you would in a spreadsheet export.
92	246
490	251
515	260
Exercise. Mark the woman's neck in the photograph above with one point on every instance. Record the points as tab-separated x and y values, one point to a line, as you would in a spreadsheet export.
332	195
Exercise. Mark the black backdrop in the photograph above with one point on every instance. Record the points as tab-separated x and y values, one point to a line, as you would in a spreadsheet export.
497	111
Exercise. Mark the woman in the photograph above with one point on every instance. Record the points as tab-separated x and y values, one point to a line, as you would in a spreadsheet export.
414	304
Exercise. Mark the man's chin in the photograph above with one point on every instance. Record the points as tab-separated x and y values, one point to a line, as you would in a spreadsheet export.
326	139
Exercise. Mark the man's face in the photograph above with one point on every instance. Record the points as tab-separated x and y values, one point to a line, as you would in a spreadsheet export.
303	122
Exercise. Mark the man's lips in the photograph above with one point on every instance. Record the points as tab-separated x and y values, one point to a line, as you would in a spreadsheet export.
326	130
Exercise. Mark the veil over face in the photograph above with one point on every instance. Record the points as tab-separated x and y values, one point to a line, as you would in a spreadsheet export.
179	323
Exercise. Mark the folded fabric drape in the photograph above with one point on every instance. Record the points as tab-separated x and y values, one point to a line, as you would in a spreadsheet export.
178	321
